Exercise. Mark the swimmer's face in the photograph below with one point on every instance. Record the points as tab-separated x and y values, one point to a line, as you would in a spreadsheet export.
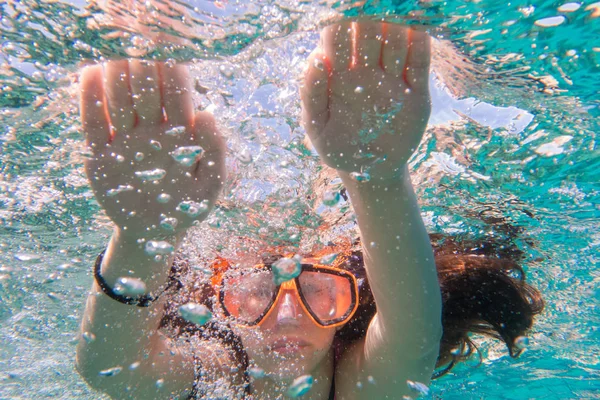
287	343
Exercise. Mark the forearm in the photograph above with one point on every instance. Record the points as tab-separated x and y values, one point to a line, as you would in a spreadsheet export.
115	334
398	258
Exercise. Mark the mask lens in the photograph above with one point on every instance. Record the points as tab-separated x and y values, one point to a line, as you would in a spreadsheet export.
248	294
328	296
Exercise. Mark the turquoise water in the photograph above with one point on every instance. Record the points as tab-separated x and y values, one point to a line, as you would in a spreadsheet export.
511	153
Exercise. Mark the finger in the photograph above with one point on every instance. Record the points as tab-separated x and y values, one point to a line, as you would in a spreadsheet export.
337	45
94	115
118	95
369	41
315	91
207	136
395	49
145	92
417	64
176	94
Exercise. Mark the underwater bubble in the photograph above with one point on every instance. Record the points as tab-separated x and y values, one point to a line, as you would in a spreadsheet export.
151	174
192	208
244	156
163	198
359	385
110	371
119	189
359	89
360	176
156	145
286	269
569	7
134	365
226	71
330	199
550	21
456	351
139	156
160	383
54	297
89	337
256	373
168	223
187	155
418	387
119	158
318	64
521	342
132	287
328	259
300	386
175	131
99	104
197	314
371	380
27	257
155	247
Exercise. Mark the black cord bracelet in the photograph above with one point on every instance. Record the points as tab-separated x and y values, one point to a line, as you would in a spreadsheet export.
140	301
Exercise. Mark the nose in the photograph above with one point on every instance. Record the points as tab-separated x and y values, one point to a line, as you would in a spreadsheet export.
287	311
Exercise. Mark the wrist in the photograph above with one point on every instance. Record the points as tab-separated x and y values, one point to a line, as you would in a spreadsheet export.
376	184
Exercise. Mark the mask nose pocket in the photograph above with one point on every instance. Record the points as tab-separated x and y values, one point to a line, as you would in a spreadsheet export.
287	310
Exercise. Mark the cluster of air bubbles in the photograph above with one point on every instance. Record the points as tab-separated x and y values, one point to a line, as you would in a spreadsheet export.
155	247
110	371
119	189
286	269
418	387
226	71
127	286
360	176
256	372
330	199
163	198
187	155
197	314
300	386
192	208
328	259
175	131
168	223
151	174
155	144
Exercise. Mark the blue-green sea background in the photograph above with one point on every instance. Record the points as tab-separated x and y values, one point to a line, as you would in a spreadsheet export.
511	154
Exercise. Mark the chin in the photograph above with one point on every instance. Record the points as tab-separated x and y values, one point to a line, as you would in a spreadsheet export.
284	366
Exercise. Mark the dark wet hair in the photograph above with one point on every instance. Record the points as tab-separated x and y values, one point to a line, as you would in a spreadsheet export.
483	291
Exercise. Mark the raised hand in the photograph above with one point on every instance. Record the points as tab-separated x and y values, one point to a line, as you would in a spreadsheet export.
155	166
366	97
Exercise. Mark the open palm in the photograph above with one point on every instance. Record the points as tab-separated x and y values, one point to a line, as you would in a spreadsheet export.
366	96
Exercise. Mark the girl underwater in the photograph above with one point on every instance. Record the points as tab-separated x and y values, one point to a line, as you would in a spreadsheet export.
385	311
